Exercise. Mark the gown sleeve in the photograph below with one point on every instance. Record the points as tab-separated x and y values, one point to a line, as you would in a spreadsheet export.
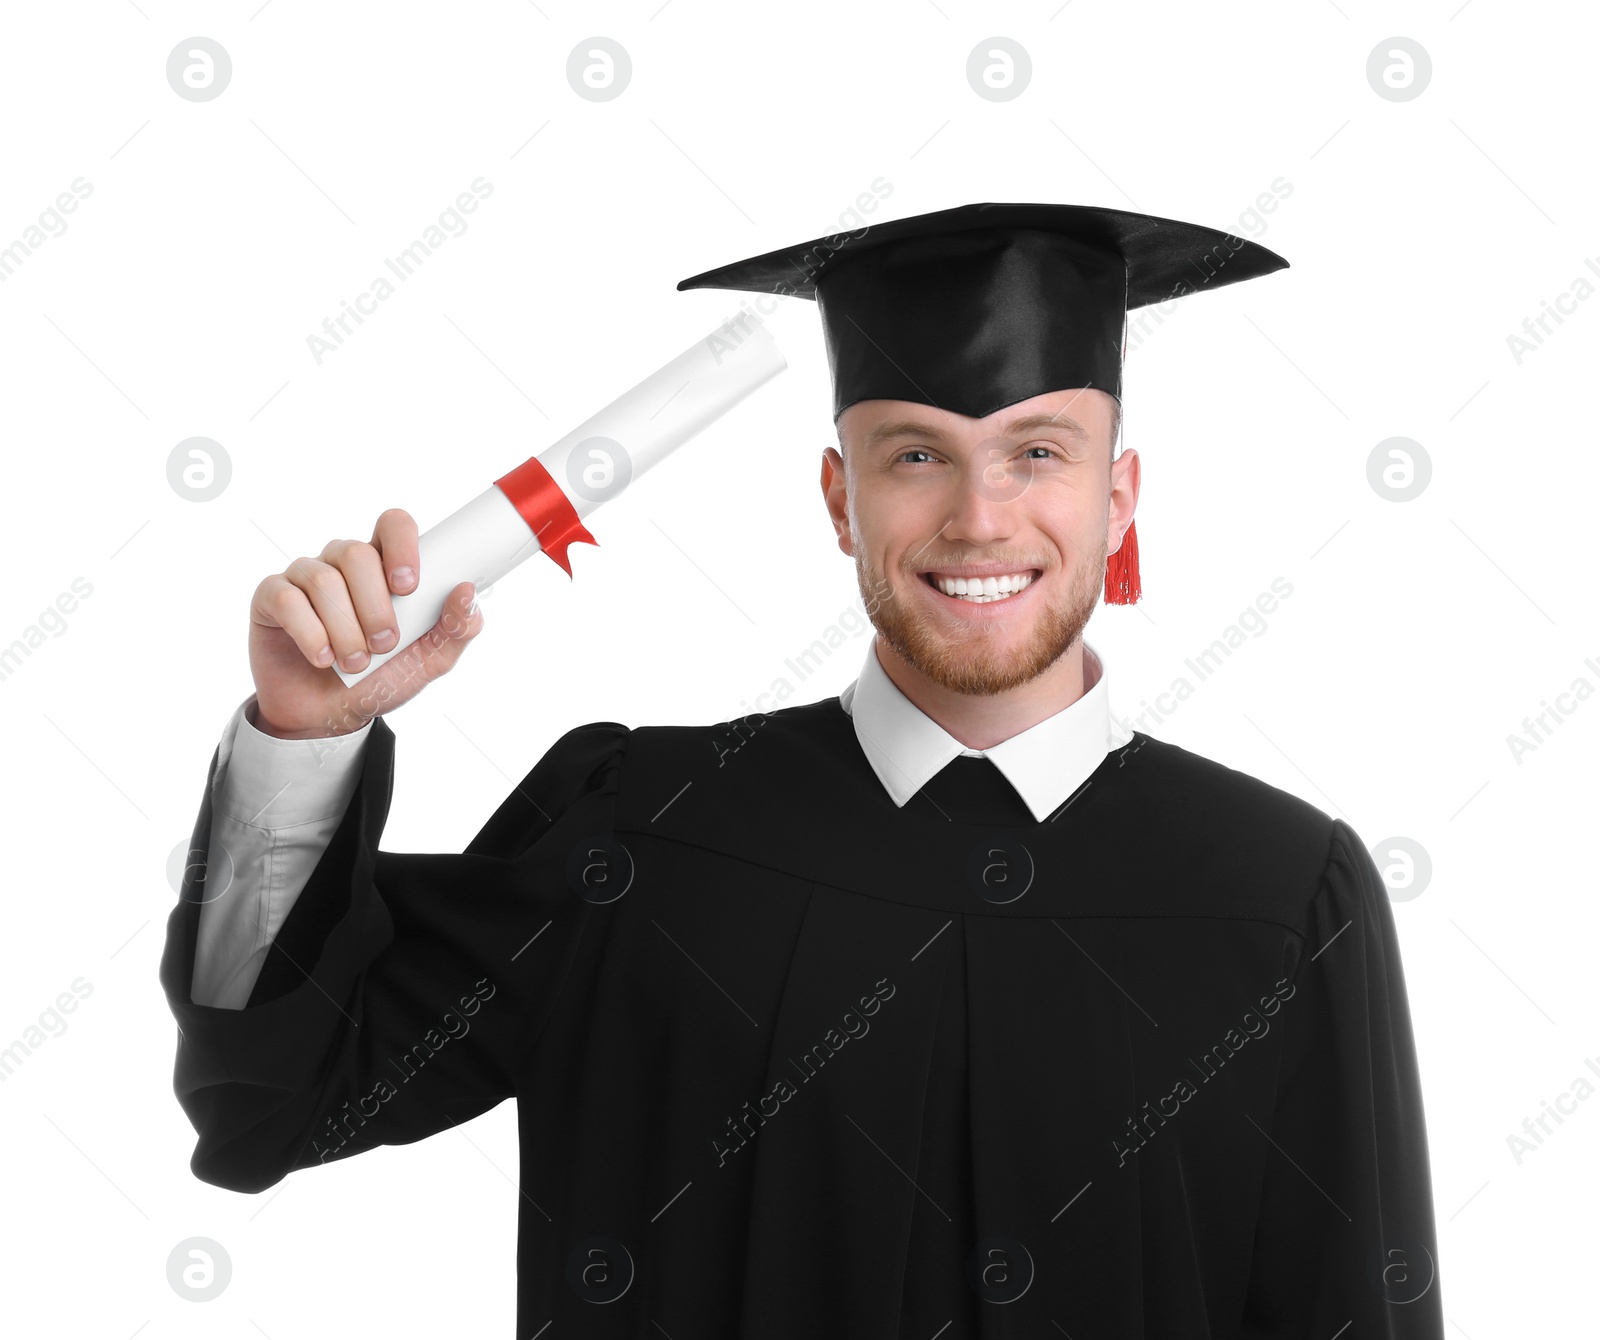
1344	1233
402	990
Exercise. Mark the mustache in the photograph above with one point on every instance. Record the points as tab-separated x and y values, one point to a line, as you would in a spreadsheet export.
921	565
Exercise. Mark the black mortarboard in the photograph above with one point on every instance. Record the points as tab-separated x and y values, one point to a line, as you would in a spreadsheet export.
975	308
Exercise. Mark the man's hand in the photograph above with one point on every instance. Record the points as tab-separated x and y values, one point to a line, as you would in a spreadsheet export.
338	606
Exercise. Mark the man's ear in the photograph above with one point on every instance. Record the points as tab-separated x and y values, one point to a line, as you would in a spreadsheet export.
836	497
1124	497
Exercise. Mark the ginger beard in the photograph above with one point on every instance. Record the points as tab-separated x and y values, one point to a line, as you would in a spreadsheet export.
980	659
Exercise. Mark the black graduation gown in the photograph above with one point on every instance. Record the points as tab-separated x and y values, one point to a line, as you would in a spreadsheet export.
791	1061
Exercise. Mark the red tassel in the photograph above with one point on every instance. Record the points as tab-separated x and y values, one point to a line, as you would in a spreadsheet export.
1122	571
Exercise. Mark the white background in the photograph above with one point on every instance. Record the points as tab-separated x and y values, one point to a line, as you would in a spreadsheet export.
219	234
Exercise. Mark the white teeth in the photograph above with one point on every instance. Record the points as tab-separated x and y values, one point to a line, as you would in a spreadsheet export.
981	590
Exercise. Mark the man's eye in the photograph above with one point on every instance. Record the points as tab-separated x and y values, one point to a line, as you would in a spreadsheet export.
1050	453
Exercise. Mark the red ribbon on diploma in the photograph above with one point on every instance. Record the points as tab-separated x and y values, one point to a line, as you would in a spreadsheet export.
547	510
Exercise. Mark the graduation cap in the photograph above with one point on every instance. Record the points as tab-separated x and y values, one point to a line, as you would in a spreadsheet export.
978	307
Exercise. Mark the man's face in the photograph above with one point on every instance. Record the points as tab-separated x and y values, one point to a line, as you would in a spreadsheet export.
1029	493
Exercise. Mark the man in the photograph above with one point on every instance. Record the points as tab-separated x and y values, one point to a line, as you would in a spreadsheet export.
946	1007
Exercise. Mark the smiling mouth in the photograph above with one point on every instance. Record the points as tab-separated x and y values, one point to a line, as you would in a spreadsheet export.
982	590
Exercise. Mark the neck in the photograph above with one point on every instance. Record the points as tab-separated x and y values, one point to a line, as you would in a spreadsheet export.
981	722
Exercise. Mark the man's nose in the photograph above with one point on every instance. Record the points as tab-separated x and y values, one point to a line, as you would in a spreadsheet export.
986	499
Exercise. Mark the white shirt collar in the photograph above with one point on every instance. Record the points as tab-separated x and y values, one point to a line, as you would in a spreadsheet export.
1045	763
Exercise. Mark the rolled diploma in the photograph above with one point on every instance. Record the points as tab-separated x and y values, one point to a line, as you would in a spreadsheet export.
488	537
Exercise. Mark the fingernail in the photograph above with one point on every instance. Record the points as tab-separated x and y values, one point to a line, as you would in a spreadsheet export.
405	578
325	656
383	639
355	660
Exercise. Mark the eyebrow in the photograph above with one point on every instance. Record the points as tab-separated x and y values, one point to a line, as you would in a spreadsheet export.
1027	424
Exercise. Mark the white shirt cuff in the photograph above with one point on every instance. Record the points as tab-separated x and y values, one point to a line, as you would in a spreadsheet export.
268	782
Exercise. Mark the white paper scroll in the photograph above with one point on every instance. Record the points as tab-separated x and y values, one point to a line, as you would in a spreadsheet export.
592	464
